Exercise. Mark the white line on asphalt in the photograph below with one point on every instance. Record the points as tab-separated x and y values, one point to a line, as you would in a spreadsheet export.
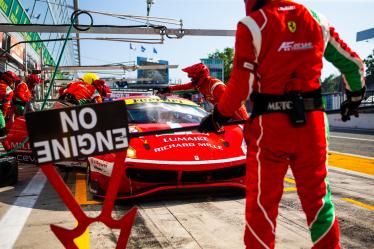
350	172
353	138
15	218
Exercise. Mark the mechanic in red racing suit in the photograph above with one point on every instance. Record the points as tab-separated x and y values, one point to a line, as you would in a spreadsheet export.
32	80
21	98
211	88
277	64
6	94
89	90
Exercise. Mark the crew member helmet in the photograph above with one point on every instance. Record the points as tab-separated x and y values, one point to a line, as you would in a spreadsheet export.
89	78
102	87
33	79
10	77
197	71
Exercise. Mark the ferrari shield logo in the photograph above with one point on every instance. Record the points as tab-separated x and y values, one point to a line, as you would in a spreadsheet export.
291	26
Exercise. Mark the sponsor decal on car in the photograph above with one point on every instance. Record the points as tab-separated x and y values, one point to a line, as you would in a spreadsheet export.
158	100
184	139
184	145
26	146
26	158
101	166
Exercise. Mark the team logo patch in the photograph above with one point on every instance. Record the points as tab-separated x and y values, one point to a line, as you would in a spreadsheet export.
291	26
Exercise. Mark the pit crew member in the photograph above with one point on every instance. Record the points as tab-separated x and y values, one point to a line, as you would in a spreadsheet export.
277	64
211	88
21	97
7	79
32	80
82	92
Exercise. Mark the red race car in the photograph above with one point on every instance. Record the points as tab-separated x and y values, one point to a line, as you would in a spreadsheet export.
173	161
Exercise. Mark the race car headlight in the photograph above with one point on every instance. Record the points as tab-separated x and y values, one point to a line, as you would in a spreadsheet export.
131	152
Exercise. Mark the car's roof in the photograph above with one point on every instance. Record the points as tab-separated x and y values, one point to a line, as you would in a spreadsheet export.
156	99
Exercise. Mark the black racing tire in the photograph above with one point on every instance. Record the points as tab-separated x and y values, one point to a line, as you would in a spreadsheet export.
8	171
92	191
88	177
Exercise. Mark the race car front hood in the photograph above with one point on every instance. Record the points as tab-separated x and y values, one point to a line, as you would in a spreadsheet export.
187	147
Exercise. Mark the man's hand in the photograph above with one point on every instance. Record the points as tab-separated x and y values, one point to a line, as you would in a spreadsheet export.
213	122
350	106
162	90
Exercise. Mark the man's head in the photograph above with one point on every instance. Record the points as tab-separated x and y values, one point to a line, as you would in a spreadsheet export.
33	79
197	71
102	87
253	5
10	77
89	78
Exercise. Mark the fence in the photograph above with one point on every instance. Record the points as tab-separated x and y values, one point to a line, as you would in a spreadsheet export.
332	101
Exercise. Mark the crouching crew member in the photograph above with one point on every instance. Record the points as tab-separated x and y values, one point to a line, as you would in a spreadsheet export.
82	92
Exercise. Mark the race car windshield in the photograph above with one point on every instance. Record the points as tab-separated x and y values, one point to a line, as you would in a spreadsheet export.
164	112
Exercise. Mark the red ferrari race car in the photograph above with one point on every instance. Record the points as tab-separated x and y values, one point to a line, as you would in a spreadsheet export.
173	161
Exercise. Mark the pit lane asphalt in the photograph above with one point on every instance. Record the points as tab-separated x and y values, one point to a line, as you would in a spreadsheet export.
204	219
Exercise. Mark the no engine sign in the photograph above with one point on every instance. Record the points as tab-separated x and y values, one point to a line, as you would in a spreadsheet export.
81	131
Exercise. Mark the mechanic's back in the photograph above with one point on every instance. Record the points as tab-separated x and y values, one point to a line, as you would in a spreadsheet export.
279	50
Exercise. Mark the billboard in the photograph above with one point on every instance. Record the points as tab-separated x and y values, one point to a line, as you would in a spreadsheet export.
156	75
17	52
17	15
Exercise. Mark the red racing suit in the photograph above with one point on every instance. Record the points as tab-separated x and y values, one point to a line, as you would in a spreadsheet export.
6	94
278	49
83	93
22	95
212	90
22	92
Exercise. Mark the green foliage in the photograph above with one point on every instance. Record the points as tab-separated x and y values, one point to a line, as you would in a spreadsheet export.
227	55
369	63
332	84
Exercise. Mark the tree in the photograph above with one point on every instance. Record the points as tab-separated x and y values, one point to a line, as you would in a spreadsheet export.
369	62
332	84
228	57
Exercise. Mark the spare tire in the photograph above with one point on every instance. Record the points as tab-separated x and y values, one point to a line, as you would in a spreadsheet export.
8	171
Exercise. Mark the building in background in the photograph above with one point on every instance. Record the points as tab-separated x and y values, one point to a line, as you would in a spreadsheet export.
216	67
156	76
33	55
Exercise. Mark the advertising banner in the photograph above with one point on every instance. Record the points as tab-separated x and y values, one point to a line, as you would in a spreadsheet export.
17	15
5	6
16	12
157	75
17	52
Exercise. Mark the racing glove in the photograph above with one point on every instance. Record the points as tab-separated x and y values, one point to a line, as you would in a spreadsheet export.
350	106
162	90
213	122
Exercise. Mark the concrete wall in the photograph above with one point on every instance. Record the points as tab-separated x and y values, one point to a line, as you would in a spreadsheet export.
365	121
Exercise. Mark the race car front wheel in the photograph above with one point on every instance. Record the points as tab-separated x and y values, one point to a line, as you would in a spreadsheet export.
8	171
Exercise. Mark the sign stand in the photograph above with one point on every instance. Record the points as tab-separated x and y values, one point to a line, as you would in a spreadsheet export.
67	236
83	131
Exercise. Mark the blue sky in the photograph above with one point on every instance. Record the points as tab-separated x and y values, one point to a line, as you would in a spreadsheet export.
348	17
